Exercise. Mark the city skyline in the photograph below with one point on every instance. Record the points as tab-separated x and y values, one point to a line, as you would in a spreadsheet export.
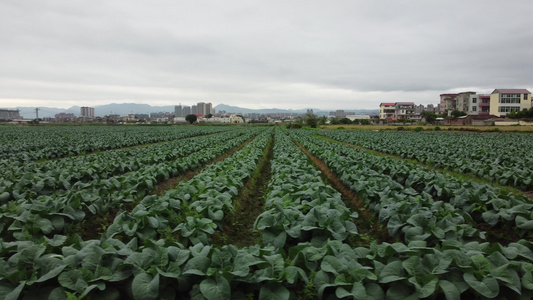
249	53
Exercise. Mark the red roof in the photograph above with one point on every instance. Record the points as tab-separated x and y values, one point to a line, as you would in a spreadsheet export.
511	91
387	104
449	95
405	103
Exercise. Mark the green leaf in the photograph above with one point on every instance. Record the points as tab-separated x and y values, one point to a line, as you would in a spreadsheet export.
30	254
392	272
487	287
332	264
274	291
527	280
400	291
145	286
197	265
99	285
524	223
4	197
450	290
242	263
56	241
429	288
8	292
482	264
216	288
45	225
491	217
358	292
75	280
93	255
374	291
58	222
178	255
154	222
217	215
291	274
51	274
129	231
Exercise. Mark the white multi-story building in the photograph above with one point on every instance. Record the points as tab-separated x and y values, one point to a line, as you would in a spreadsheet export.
405	110
478	104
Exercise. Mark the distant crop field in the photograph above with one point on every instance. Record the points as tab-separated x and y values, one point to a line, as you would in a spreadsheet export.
252	212
432	127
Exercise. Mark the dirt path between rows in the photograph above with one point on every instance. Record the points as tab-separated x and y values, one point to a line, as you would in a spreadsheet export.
93	227
367	223
250	203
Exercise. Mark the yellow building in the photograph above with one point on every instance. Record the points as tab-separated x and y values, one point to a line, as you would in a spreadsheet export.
504	101
387	110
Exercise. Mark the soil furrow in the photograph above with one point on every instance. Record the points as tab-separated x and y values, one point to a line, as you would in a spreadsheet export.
93	227
250	203
367	223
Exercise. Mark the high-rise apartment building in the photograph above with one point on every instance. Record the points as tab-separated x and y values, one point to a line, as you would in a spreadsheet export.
209	108
87	112
178	111
201	107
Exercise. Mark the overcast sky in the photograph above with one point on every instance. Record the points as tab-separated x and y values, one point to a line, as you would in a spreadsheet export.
260	54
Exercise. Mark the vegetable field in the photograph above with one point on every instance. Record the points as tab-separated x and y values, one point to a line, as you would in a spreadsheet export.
228	212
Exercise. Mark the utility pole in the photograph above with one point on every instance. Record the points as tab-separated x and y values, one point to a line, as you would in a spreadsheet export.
37	113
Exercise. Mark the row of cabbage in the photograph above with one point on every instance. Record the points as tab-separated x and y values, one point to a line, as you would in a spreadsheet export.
299	205
198	206
164	269
144	265
28	218
477	202
32	179
409	214
31	143
140	255
504	158
436	243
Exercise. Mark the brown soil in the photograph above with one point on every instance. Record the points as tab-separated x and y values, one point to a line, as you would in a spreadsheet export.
507	189
367	223
499	234
238	229
94	226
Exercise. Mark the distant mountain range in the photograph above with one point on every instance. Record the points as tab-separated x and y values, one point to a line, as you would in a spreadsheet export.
133	108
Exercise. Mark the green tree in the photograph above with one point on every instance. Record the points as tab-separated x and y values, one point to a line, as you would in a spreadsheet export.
457	113
323	120
311	120
209	116
430	116
191	118
334	121
365	122
345	121
523	114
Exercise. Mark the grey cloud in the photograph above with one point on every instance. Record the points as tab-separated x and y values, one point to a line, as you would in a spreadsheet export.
240	50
